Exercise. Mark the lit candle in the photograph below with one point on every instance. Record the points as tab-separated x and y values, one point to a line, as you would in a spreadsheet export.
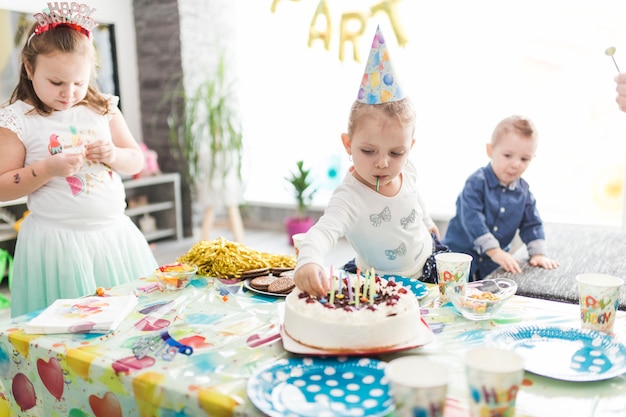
357	289
349	287
372	286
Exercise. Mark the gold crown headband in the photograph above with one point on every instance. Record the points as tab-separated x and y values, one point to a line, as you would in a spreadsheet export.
67	14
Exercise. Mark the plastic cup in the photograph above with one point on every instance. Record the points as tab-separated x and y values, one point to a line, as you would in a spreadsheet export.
297	240
453	270
418	386
494	377
598	296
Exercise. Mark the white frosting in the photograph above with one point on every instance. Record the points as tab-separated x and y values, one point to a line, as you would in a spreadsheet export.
313	324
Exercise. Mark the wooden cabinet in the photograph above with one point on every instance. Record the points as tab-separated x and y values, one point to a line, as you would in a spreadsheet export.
154	204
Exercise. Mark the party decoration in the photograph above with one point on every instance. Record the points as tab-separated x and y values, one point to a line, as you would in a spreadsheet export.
345	36
349	20
379	83
322	10
51	375
23	392
388	7
107	406
71	14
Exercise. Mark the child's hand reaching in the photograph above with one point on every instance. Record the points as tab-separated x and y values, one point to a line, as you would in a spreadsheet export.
312	279
544	262
505	260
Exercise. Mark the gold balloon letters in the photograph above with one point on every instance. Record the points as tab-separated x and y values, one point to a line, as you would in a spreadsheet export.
349	20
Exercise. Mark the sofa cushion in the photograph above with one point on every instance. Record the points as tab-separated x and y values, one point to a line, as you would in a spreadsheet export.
579	249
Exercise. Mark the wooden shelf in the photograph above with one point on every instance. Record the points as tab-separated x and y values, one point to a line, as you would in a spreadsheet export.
160	192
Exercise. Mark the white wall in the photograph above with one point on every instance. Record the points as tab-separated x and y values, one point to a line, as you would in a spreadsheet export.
466	65
120	13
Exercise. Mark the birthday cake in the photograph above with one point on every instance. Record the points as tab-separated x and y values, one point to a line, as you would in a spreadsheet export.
349	321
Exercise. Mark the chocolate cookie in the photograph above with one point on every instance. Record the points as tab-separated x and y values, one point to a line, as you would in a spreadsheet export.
279	271
261	283
253	273
281	285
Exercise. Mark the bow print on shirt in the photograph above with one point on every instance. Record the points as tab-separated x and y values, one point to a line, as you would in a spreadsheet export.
384	215
393	254
405	221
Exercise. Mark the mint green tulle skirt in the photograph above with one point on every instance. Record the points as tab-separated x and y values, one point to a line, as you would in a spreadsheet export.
58	262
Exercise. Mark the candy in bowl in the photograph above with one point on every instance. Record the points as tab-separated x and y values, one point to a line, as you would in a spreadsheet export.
481	300
175	276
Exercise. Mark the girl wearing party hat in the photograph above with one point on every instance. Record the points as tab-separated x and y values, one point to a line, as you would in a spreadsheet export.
377	207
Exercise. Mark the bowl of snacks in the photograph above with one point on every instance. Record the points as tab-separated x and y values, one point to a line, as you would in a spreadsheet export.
481	300
175	276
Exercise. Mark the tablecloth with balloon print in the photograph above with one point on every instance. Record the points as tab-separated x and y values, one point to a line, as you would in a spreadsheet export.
81	375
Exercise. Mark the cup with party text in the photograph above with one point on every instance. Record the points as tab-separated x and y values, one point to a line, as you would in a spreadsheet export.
453	270
598	296
494	378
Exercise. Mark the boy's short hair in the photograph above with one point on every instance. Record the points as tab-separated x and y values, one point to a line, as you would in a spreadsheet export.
523	126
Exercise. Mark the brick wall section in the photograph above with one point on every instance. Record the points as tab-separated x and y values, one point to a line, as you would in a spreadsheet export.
157	25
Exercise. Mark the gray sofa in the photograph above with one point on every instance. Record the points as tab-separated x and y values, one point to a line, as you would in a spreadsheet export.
579	249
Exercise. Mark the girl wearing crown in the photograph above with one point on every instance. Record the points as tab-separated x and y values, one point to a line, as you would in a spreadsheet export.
64	145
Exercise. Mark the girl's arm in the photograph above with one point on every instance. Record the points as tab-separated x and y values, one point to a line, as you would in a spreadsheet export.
123	154
17	180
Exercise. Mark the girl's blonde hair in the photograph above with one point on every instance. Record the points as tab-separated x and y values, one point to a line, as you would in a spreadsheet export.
60	39
517	124
402	110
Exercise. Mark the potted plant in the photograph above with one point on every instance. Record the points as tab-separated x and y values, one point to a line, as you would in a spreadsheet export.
303	191
206	139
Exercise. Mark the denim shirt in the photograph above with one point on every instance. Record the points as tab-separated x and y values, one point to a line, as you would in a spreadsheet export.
488	215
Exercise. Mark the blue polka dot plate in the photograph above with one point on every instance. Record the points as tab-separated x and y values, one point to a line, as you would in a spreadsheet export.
415	285
564	353
322	387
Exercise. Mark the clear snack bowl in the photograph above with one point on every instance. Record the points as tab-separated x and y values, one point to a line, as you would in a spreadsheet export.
175	276
481	300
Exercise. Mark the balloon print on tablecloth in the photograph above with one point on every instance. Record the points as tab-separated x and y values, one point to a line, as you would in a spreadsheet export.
150	323
75	412
107	406
23	392
5	360
131	363
51	375
5	407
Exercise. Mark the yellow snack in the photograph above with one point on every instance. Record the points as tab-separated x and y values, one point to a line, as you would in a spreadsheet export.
226	259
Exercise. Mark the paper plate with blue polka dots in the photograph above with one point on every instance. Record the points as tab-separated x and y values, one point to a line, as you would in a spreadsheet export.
418	287
322	387
568	354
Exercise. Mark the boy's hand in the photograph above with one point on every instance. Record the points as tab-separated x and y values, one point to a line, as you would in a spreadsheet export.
544	262
312	278
505	260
